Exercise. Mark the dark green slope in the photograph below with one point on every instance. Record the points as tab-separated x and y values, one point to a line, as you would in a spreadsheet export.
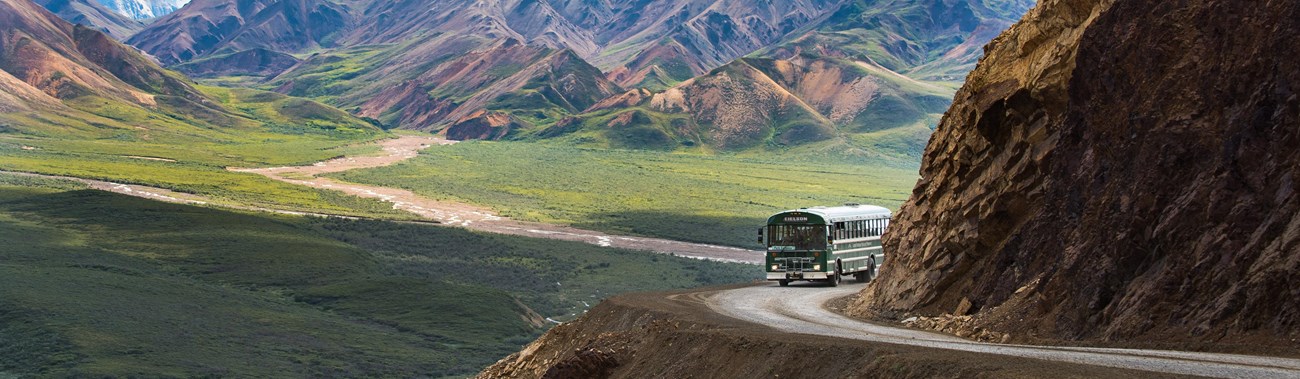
95	284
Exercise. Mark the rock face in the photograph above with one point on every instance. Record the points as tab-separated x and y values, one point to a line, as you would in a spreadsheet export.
1114	170
482	125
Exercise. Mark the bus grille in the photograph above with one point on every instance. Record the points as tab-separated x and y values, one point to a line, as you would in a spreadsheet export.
794	264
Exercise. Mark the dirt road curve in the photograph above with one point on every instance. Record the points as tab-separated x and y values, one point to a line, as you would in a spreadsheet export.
473	217
799	309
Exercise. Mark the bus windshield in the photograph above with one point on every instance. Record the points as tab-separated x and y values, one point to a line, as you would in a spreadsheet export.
796	237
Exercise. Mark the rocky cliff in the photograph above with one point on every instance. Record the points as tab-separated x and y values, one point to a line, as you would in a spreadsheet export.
1114	170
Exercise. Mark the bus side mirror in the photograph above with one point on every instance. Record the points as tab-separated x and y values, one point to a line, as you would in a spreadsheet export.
760	235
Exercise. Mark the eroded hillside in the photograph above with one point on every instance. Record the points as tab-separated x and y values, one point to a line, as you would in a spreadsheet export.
1114	171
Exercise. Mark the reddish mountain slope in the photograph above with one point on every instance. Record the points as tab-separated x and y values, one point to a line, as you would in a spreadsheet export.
430	83
66	61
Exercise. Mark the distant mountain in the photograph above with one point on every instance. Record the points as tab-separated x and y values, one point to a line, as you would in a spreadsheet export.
63	80
213	27
432	82
91	14
727	74
881	69
656	44
143	9
652	43
48	56
645	43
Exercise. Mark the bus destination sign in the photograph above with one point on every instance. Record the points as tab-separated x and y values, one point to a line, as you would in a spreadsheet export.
796	219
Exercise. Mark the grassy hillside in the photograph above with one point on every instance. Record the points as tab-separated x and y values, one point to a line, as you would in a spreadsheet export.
109	140
715	199
94	284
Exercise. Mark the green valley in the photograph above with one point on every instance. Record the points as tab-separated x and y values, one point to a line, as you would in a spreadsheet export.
136	146
676	120
716	199
95	284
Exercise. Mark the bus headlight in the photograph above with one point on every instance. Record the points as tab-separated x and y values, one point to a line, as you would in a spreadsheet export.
817	267
774	267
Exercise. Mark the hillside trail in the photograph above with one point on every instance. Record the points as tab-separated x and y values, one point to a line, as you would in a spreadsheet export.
475	217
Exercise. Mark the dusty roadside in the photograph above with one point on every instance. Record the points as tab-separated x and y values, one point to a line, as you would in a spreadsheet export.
677	335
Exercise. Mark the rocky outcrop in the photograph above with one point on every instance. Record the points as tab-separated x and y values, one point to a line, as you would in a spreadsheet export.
1114	170
482	125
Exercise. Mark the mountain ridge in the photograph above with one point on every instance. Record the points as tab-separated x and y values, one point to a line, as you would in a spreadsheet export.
92	14
882	66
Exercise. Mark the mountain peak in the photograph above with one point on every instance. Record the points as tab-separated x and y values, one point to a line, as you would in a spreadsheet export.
143	9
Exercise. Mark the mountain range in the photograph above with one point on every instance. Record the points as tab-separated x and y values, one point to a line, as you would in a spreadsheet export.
93	14
70	81
143	9
869	76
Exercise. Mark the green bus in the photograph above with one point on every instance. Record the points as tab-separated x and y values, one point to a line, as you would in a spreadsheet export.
824	243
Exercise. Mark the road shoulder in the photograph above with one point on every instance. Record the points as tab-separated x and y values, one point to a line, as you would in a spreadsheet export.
676	334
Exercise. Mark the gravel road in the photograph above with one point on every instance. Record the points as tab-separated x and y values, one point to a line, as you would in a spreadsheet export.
801	309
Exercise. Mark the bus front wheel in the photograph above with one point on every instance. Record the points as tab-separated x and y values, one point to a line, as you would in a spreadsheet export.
784	282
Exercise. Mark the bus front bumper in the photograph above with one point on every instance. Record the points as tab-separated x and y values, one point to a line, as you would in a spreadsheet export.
806	275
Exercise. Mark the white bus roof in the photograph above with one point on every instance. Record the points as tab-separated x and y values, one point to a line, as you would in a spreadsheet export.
847	212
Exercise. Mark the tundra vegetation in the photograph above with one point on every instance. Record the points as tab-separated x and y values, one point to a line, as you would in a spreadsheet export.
94	283
719	199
